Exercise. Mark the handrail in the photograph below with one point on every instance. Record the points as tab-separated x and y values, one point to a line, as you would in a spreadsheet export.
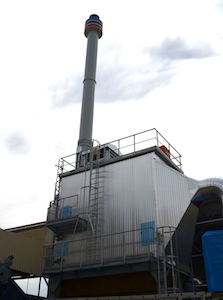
115	246
108	248
57	205
131	144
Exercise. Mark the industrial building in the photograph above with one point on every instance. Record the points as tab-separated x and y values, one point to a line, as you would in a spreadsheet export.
126	222
21	255
129	223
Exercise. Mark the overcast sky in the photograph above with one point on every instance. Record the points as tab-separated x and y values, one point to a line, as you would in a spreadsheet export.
160	64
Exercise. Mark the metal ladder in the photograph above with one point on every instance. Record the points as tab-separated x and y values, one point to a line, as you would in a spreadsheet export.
95	206
60	167
168	280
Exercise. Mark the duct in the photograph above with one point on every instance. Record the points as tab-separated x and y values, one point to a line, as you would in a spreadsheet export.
208	201
212	182
187	226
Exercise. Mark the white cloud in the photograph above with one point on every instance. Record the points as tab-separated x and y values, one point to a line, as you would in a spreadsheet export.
178	49
17	144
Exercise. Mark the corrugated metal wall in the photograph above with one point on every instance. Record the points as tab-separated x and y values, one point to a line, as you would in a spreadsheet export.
173	194
27	251
130	195
138	192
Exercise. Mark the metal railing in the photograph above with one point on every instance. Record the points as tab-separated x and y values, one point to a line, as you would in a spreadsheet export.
202	295
116	248
147	243
129	145
63	208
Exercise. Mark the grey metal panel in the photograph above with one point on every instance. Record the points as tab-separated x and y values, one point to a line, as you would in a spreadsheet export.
129	200
136	191
77	184
172	195
130	194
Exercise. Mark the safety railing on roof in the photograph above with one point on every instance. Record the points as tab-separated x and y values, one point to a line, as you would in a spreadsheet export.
129	145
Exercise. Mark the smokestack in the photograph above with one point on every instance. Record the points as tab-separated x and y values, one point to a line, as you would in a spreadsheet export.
93	32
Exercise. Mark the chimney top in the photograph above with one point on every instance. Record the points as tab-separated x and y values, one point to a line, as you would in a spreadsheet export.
93	23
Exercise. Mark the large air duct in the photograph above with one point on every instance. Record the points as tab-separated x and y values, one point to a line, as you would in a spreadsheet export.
93	32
